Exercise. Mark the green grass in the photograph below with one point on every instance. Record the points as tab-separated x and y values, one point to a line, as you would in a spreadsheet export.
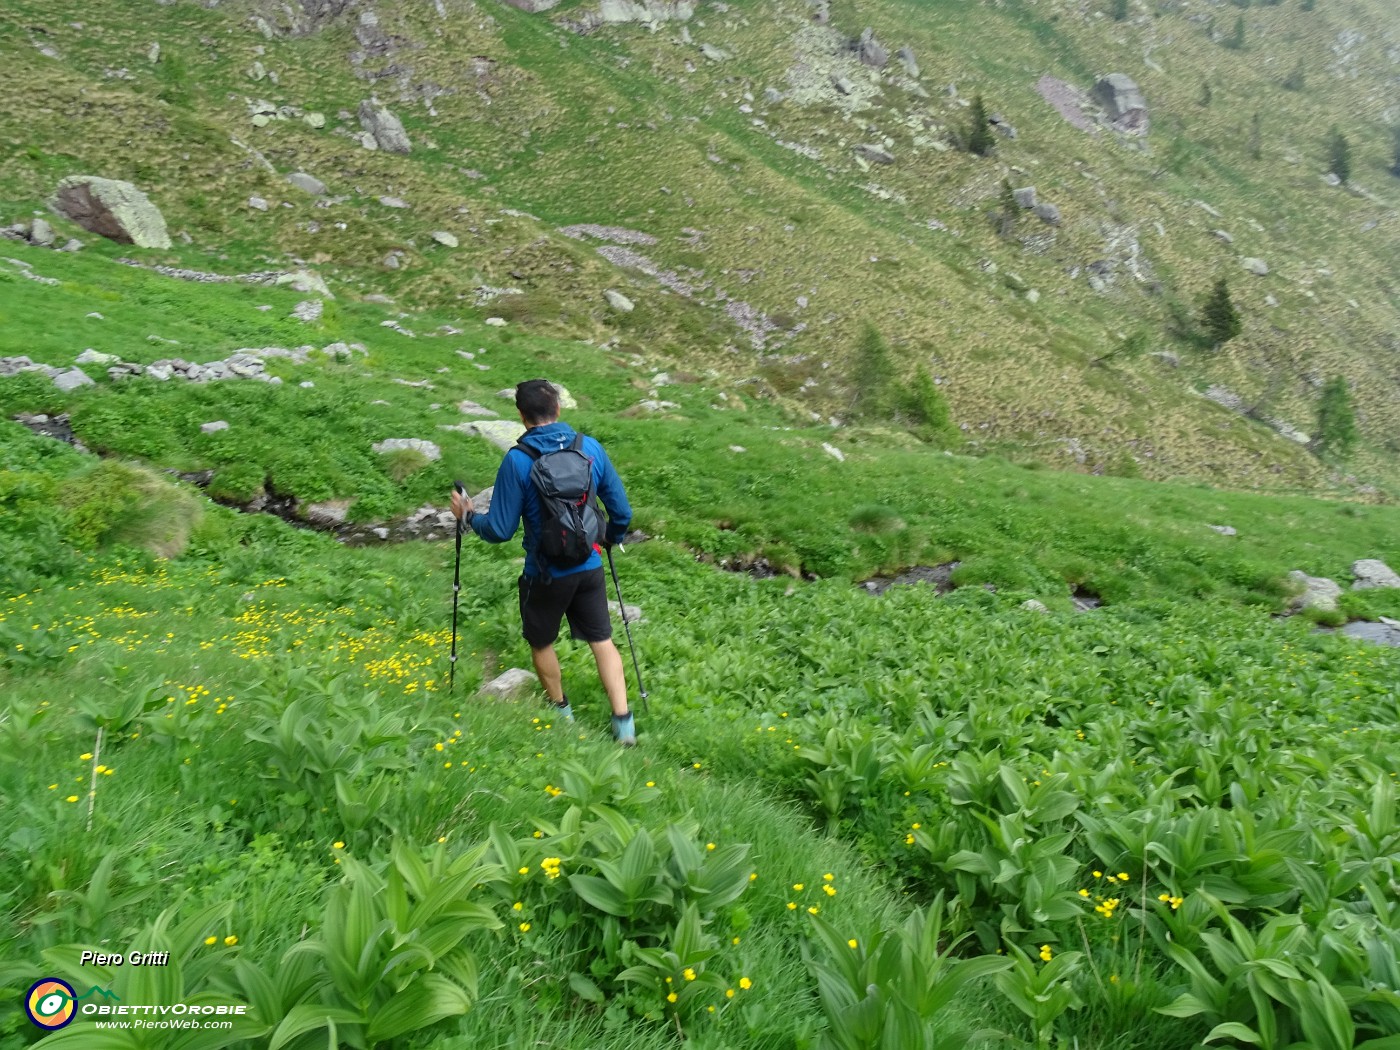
280	757
748	684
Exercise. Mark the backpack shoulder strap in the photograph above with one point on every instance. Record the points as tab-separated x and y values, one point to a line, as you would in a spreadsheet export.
533	453
577	445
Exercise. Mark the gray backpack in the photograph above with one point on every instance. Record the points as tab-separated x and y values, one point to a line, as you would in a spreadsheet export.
570	521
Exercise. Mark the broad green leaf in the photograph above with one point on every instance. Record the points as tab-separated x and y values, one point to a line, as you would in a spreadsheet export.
1233	1030
426	1001
307	1018
586	989
600	893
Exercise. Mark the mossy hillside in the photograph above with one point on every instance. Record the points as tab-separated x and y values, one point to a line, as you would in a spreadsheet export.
555	173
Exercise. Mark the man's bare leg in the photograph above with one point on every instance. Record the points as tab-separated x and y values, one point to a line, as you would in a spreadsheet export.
547	667
609	662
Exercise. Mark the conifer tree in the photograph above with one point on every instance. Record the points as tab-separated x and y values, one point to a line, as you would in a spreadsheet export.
1336	422
1235	41
979	137
1219	317
1008	210
1339	155
1296	79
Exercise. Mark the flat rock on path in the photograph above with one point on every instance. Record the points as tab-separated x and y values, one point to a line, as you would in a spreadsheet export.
511	685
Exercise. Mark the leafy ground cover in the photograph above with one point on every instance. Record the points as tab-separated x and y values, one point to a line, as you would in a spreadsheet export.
852	820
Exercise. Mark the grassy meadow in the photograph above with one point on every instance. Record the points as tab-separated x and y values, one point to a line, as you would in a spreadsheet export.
852	820
1154	811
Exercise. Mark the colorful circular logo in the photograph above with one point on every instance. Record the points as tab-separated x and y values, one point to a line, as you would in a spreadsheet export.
51	1003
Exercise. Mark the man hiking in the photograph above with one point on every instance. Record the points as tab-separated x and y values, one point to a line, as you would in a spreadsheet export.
549	479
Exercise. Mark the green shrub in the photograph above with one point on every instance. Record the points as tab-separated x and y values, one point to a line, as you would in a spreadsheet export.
114	503
237	483
873	517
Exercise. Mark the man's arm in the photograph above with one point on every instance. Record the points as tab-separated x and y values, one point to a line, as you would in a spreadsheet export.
614	498
507	503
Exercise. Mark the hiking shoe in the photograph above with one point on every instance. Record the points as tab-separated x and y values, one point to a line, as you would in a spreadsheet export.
564	710
624	731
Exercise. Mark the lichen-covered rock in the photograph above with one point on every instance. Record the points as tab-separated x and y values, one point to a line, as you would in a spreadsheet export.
1316	592
1123	103
618	301
385	128
425	448
113	209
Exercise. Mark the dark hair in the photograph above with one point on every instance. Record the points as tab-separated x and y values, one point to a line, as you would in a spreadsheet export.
537	400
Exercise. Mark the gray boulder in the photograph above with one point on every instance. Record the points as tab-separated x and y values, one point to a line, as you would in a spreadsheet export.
307	183
112	209
874	154
214	427
96	357
426	448
872	52
1034	605
907	60
503	433
308	310
71	380
1258	267
532	6
307	283
471	408
714	54
41	234
1384	633
1025	197
630	613
1047	213
447	240
512	685
1371	573
1123	102
385	128
842	85
1316	592
618	301
327	514
1224	530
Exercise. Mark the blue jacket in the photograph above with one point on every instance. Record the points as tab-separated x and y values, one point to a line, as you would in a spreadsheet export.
515	498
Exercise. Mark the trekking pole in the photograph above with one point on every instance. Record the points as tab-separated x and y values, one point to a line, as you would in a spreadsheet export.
456	590
622	610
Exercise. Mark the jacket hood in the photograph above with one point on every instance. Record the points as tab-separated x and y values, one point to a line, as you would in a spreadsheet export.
549	438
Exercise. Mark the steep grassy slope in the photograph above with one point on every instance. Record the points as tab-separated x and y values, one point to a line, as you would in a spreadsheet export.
759	203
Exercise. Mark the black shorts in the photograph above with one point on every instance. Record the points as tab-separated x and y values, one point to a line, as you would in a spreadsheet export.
581	596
